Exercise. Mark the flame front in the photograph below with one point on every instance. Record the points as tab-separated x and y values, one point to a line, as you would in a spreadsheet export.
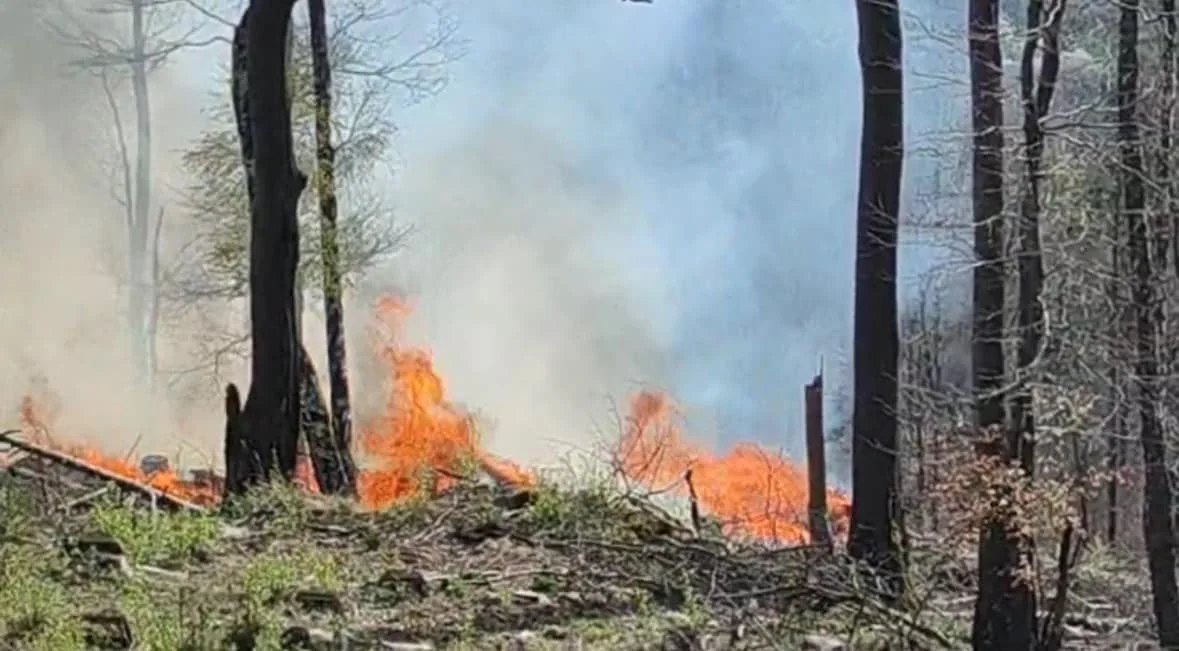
752	491
421	437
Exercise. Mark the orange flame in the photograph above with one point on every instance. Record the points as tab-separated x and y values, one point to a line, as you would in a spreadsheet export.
753	492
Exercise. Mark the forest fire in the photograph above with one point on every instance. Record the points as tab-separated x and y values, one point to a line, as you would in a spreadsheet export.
750	490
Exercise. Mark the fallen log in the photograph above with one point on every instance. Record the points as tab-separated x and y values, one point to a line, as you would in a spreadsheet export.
157	496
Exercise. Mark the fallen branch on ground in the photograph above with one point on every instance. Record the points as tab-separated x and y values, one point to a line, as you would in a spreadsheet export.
10	437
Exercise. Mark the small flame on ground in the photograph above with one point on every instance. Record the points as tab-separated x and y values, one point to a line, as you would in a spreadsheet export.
422	442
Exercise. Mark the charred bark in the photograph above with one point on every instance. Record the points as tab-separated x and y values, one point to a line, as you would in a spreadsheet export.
875	485
816	461
998	560
269	422
1167	214
986	97
1156	517
1116	447
339	476
335	472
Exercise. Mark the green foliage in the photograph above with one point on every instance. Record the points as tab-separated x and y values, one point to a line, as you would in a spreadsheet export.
270	580
277	506
155	539
35	607
362	134
170	621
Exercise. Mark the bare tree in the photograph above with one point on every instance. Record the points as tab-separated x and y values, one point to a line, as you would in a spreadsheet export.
1157	523
999	558
155	33
875	501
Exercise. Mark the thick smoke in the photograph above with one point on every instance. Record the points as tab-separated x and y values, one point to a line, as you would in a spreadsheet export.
62	235
611	192
606	195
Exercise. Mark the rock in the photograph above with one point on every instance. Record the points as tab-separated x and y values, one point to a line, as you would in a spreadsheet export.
526	597
386	637
822	643
521	639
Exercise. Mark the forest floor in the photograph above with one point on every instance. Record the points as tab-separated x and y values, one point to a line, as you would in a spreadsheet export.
479	567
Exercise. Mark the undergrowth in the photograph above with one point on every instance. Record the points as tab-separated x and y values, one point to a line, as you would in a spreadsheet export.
559	566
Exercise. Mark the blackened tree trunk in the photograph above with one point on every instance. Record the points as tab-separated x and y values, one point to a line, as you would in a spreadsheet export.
1116	446
334	466
268	428
875	487
1163	159
998	557
1156	518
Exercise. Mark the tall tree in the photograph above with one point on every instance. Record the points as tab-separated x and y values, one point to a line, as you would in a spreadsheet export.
153	36
1157	524
875	499
998	556
1005	612
266	432
376	64
340	476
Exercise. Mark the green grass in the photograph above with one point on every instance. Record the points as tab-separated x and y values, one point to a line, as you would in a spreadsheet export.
571	568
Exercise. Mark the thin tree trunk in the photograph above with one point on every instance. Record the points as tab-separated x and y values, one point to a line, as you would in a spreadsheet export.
1156	518
339	469
1116	441
139	304
1163	159
269	423
876	502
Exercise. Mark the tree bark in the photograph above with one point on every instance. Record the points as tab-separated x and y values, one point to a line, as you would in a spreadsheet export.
1156	517
1163	159
875	502
338	473
816	461
269	422
998	559
1116	441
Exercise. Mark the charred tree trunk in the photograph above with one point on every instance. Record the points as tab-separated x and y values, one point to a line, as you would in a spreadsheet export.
875	501
1036	91
268	425
1163	160
339	474
1156	517
1005	615
816	458
1116	441
998	561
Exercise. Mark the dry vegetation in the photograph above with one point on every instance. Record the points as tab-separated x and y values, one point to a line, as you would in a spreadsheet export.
477	567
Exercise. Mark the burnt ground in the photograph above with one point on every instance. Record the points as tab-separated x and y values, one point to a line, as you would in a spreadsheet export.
480	567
